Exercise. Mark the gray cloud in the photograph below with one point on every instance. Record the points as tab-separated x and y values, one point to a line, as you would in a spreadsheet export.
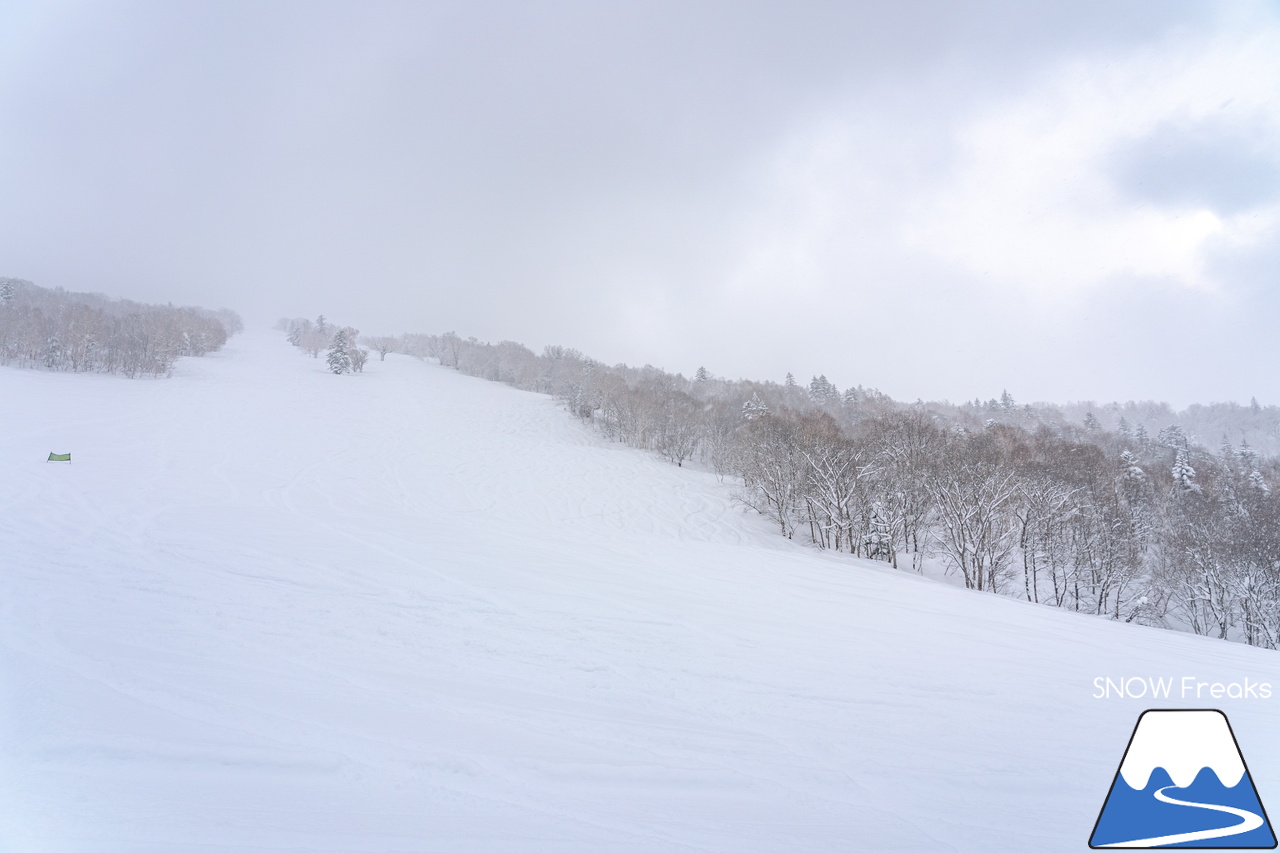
1222	164
598	175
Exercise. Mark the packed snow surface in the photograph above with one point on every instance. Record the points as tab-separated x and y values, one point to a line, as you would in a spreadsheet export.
268	608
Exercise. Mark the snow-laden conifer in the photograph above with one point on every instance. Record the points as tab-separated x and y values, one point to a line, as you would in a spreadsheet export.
754	408
339	358
821	389
1183	474
1172	436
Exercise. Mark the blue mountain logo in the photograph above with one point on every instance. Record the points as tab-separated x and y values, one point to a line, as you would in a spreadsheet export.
1183	783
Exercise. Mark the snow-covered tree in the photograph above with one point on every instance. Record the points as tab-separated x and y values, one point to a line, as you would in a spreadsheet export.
973	494
1248	456
821	389
1183	474
382	344
1142	439
449	350
773	471
339	358
58	330
1130	469
297	328
754	408
1173	437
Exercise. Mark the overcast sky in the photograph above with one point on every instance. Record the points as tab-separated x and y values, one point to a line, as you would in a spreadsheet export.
941	200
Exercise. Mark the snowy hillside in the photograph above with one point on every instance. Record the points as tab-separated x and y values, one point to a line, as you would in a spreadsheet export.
267	608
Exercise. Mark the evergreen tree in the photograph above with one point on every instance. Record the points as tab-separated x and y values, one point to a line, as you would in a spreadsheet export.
1183	474
1141	437
298	328
339	356
790	381
1131	472
702	375
1248	455
820	389
1173	437
754	408
6	291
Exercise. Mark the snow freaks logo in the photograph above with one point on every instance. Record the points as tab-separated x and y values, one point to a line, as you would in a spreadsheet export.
1183	783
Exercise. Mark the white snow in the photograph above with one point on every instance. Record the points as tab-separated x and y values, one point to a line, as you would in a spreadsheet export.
1183	743
269	609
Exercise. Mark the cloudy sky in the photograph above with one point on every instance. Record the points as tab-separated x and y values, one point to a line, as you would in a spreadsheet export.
938	199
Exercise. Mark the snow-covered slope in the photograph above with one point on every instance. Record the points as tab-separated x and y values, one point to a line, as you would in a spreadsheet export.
267	608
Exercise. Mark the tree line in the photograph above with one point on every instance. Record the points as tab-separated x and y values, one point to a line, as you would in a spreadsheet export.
55	329
1155	529
1254	423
